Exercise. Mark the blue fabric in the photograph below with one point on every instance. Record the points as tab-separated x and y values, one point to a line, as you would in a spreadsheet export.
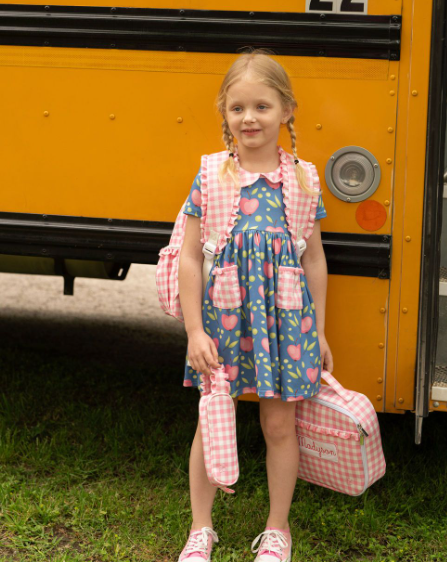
266	350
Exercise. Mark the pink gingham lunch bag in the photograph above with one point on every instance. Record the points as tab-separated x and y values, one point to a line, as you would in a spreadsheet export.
218	427
339	439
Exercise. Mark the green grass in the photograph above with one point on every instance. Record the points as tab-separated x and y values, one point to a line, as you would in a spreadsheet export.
94	457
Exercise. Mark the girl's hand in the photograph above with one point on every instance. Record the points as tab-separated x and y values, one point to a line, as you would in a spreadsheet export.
327	363
202	352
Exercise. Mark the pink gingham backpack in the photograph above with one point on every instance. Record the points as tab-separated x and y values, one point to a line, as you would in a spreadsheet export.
219	212
218	428
339	439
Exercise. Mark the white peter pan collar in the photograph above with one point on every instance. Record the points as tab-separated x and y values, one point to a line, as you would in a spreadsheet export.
249	178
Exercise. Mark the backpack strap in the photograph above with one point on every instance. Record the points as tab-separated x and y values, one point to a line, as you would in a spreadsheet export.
219	205
300	208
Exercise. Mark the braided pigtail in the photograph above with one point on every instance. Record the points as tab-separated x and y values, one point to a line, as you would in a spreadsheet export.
228	167
300	173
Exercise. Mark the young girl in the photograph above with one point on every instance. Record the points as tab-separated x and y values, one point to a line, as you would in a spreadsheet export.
260	344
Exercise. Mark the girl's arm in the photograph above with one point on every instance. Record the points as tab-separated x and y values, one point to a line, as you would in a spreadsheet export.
314	264
202	350
190	275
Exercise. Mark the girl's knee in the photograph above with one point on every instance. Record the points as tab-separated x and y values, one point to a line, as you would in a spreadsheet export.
277	418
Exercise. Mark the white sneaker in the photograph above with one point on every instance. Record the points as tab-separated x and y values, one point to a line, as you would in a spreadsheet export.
275	546
199	545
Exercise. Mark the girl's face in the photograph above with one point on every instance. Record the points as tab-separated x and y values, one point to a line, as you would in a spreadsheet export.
254	114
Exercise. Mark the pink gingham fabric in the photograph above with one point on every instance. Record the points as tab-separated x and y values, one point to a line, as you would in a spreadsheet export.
166	271
331	444
289	295
226	290
220	204
218	428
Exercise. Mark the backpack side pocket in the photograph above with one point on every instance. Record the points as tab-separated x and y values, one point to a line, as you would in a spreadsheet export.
166	279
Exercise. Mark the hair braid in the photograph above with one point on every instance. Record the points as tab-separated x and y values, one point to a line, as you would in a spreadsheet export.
228	166
300	173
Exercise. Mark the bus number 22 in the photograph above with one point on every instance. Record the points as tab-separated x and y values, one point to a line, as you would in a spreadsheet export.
338	6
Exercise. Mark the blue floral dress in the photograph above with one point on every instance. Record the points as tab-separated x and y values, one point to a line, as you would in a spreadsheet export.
267	350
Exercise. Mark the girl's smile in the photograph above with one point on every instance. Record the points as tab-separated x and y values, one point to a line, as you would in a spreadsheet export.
251	132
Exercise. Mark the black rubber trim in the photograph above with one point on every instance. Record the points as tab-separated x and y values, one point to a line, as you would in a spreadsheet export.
362	255
428	319
365	255
210	31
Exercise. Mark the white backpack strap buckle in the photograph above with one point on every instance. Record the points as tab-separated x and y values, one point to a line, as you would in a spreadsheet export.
209	248
300	247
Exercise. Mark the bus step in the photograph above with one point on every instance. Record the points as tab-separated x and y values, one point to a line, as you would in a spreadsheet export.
439	387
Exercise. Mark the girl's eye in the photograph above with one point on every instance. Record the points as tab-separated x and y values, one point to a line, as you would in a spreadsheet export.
262	106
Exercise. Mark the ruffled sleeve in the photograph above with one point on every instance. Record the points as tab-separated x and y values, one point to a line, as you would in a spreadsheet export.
321	211
194	201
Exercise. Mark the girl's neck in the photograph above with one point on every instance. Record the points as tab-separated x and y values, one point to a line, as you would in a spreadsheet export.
258	160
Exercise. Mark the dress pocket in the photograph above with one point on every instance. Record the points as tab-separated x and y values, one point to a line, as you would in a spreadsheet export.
289	295
226	289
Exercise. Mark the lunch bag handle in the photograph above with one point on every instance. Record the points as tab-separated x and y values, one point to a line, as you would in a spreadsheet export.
347	395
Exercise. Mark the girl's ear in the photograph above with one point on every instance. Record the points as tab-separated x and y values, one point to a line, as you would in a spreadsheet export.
287	113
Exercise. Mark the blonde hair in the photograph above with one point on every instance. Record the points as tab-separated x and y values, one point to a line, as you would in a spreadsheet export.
258	64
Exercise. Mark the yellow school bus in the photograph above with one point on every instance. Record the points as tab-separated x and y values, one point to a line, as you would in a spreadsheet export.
107	109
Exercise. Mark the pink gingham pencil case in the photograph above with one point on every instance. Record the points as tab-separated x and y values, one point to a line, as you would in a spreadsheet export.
218	427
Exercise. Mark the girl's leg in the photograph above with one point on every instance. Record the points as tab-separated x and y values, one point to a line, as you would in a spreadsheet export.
278	426
202	492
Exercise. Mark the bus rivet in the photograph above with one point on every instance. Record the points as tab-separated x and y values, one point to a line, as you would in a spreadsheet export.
381	345
179	119
390	129
348	199
393	77
405	310
435	404
382	310
401	400
389	161
408	238
392	92
112	116
46	113
386	203
318	126
379	380
379	397
414	93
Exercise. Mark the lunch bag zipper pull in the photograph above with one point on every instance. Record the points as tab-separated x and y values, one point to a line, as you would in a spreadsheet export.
362	433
